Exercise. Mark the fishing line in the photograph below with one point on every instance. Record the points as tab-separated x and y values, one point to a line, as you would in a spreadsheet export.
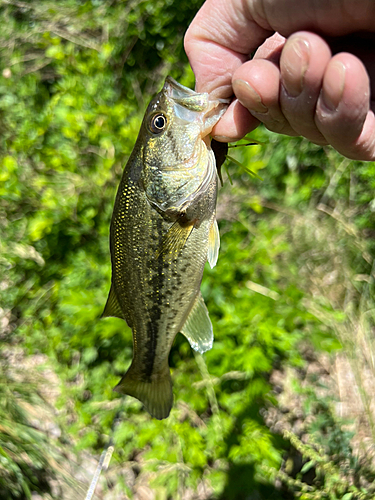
253	174
105	457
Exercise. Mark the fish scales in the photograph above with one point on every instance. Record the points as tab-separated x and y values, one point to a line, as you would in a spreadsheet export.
163	230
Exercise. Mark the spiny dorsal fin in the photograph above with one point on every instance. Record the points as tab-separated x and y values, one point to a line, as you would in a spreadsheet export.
112	307
174	241
198	328
213	244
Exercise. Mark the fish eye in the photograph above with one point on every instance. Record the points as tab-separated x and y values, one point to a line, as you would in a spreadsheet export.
158	123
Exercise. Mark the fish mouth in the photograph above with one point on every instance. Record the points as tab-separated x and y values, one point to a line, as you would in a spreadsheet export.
193	106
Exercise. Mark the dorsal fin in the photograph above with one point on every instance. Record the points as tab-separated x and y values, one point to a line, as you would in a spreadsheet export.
198	328
112	307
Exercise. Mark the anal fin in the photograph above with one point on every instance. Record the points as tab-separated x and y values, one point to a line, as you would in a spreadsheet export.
112	307
213	244
198	328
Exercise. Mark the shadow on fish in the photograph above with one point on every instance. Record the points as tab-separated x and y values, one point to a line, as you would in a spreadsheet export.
163	230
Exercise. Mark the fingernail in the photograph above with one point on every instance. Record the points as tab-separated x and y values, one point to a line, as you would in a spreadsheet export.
333	85
295	61
248	96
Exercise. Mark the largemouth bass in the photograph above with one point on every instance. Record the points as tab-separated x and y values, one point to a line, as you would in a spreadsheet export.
163	230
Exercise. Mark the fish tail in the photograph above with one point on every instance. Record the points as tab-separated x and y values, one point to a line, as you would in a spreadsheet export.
155	393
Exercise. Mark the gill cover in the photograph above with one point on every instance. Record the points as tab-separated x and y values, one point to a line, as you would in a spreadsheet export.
178	164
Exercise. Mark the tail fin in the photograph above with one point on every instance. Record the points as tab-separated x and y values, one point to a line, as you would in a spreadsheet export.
156	393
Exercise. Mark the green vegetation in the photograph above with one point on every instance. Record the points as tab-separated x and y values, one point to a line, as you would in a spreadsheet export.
293	285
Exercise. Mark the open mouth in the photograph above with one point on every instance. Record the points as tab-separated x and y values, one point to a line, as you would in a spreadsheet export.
192	106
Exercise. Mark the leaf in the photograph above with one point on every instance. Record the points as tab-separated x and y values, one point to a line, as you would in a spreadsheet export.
307	466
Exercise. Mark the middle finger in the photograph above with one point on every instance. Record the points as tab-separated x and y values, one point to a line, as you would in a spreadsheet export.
302	64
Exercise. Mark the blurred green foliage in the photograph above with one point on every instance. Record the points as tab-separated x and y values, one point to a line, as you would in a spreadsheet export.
76	78
26	457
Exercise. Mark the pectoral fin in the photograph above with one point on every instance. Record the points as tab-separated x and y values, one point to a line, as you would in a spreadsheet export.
198	328
213	244
112	307
174	241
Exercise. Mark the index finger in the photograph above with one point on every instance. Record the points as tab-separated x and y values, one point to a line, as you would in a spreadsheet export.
221	37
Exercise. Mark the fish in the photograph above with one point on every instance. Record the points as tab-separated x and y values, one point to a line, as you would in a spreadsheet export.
163	230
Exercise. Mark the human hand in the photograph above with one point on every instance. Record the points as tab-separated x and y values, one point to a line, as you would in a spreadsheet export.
312	73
